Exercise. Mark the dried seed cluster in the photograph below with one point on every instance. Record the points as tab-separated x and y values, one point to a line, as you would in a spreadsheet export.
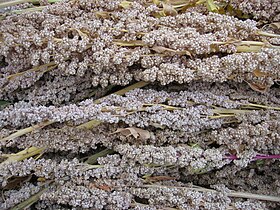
95	41
198	126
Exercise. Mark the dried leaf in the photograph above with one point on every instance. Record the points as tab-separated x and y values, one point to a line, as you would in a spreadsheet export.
258	73
125	4
249	48
157	125
92	186
127	132
135	132
90	124
258	87
24	154
80	32
232	76
14	182
143	133
41	179
104	15
156	2
185	52
159	14
160	49
169	10
101	187
104	187
275	25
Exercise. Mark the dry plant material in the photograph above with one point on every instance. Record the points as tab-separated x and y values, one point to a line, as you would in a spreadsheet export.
138	104
135	132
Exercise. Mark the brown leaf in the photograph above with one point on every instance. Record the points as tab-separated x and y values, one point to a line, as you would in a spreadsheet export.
258	87
232	76
92	186
104	187
100	186
160	178
258	73
135	132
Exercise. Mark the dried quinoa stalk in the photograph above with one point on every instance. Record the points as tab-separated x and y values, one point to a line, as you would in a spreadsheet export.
197	127
56	44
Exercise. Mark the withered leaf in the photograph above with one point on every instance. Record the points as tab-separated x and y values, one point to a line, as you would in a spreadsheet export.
125	4
15	182
275	25
41	179
160	49
100	186
135	132
258	87
104	15
156	2
169	10
160	178
258	73
104	187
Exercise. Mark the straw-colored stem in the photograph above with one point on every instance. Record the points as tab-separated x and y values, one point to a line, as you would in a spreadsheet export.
247	46
263	33
26	130
32	9
90	124
22	155
36	68
262	106
27	203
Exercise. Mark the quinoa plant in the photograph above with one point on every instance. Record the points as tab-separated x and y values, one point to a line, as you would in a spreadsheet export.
146	104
